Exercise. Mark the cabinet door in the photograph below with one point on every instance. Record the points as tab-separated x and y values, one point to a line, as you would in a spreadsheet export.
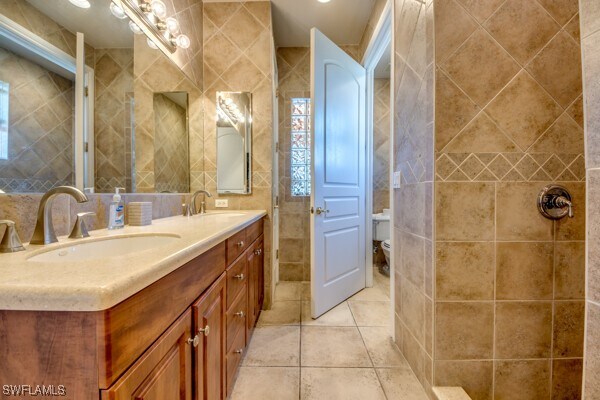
251	256
260	276
164	371
209	325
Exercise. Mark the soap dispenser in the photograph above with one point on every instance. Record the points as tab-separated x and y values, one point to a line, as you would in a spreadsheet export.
116	213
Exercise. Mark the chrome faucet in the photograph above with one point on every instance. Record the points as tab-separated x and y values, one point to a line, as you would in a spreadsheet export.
44	230
193	202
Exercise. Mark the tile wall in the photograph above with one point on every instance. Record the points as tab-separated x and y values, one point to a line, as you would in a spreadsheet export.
413	202
590	40
112	118
238	56
509	286
170	145
370	28
155	73
293	65
381	145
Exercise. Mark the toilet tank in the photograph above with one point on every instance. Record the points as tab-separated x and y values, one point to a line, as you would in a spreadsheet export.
381	226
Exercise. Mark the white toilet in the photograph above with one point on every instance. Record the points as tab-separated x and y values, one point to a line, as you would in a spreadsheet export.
381	232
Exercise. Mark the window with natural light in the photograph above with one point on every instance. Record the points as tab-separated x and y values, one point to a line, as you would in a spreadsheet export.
300	149
3	120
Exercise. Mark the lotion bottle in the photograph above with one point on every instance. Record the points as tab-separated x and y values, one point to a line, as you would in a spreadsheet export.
116	213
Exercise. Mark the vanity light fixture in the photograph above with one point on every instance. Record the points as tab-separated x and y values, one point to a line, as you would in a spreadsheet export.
80	3
117	11
323	1
150	17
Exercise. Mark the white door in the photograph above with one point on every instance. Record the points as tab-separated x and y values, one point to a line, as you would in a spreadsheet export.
337	229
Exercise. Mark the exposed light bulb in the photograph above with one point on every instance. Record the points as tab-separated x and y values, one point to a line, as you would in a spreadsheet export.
172	25
323	1
151	44
182	41
80	3
117	11
134	28
158	8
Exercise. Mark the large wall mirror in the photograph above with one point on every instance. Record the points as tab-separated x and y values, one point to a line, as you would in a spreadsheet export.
131	126
234	142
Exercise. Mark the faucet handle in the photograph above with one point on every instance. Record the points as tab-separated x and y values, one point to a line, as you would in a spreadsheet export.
79	229
10	241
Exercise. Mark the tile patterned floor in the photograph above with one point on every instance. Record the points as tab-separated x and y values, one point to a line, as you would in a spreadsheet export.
345	354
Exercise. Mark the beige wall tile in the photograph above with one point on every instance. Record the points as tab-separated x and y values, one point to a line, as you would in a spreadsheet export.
522	380
464	211
568	328
475	377
590	17
465	271
464	330
566	379
453	25
523	329
592	352
569	270
524	271
519	218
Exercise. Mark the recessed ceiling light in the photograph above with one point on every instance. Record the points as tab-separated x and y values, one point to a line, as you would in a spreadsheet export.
80	3
323	1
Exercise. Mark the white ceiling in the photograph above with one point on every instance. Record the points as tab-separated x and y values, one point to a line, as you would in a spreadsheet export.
101	29
343	21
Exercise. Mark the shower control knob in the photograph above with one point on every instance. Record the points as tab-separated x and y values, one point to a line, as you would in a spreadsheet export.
554	202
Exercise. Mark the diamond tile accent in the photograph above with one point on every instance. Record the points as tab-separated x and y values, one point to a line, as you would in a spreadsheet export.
472	167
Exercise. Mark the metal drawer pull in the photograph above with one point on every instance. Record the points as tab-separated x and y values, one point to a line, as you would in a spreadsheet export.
206	330
240	244
240	314
258	252
194	342
239	351
240	277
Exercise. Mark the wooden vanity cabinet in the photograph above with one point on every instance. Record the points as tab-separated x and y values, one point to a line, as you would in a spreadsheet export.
181	338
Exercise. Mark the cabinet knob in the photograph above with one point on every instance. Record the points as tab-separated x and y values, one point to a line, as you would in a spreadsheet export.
258	252
240	243
239	351
240	277
240	314
205	330
194	342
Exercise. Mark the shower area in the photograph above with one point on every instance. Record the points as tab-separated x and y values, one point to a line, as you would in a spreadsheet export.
489	292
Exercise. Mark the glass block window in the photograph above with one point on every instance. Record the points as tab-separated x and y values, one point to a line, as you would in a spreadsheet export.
3	120
300	150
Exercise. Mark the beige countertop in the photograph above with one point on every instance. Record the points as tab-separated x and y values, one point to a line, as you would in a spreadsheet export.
98	284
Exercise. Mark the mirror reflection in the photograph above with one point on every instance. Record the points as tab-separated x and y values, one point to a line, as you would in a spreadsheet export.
234	133
133	130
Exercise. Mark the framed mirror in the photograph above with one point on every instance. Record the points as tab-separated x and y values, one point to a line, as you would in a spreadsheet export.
234	142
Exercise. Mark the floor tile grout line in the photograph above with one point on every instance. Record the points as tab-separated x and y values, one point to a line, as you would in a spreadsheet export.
372	363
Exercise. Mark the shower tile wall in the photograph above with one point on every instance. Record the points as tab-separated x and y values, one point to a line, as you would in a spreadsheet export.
509	310
590	34
238	56
381	145
413	201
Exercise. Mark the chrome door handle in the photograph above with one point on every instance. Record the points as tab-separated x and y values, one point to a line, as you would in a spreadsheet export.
320	211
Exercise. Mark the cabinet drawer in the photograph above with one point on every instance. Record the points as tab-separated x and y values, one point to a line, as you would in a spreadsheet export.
254	231
236	246
234	357
237	276
236	318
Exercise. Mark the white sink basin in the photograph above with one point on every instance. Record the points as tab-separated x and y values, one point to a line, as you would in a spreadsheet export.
105	248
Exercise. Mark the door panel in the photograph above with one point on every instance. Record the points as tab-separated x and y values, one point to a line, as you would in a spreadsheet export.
338	245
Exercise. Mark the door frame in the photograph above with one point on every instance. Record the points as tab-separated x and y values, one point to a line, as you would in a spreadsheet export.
381	38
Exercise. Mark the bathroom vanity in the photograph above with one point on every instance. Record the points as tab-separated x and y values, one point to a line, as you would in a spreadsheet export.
168	322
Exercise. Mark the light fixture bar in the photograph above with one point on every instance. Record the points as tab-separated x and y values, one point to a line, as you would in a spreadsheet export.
138	17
